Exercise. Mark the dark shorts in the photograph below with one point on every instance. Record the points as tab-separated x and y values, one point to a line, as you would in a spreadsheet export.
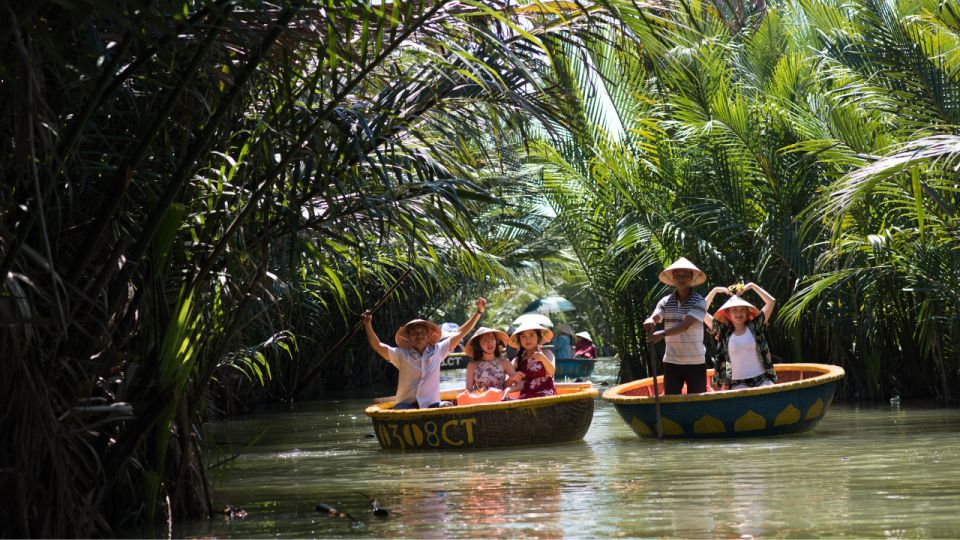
404	405
674	375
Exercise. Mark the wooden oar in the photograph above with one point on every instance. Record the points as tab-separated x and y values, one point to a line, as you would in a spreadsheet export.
651	352
345	339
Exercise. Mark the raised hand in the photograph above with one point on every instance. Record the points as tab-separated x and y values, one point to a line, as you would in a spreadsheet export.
481	304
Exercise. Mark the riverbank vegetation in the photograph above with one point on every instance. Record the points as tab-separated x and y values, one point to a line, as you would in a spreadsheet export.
200	198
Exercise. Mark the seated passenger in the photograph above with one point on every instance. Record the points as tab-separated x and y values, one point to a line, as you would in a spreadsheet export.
743	357
417	356
585	348
531	363
562	346
488	367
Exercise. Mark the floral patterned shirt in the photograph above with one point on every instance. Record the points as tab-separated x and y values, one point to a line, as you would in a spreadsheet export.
537	382
489	374
723	372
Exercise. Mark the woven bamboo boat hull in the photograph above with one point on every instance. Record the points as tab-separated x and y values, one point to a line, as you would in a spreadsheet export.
536	421
571	368
795	404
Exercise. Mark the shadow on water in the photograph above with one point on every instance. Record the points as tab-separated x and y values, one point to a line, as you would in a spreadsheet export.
864	471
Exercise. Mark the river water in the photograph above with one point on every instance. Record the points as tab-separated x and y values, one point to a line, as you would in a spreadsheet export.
864	471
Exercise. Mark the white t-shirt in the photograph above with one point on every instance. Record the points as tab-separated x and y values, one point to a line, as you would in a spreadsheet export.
686	347
419	373
744	359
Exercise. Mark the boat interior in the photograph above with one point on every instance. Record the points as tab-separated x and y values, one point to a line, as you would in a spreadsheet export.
786	373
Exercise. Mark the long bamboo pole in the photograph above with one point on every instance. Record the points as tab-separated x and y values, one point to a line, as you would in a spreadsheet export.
652	354
346	338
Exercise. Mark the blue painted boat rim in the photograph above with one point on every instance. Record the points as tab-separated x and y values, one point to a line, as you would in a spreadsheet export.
828	373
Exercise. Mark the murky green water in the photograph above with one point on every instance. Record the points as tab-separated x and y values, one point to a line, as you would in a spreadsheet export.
864	471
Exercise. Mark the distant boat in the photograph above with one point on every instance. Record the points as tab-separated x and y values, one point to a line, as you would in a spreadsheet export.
456	360
567	368
521	422
795	404
574	368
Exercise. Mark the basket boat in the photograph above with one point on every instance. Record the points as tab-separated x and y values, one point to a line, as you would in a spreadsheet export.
536	421
571	368
795	404
456	360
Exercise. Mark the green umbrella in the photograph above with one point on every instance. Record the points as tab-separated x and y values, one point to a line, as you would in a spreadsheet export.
550	304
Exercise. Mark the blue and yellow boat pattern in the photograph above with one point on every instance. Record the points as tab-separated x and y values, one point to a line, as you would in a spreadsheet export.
795	404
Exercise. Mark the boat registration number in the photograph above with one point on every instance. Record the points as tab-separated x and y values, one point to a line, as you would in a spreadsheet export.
455	432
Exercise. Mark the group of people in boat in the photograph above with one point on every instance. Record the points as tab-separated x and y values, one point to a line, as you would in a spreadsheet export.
743	358
563	344
421	347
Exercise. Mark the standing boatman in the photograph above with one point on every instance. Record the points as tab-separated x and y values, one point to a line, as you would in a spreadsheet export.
681	313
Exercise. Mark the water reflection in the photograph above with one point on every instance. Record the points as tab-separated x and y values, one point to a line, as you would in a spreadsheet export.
528	504
864	471
485	504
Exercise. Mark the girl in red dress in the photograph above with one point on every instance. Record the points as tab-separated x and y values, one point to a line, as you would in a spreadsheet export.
537	370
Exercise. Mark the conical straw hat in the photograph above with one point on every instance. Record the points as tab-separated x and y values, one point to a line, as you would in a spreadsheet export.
721	314
433	333
501	336
683	264
545	333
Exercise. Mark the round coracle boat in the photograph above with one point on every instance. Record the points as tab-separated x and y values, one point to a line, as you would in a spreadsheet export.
795	404
571	368
456	360
546	420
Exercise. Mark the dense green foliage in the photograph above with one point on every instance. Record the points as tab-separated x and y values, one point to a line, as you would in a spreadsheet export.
200	197
809	146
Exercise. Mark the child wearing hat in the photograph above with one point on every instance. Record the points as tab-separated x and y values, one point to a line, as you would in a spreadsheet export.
418	355
533	366
743	357
488	367
682	313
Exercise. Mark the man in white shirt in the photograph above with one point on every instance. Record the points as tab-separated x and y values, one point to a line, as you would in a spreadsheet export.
682	313
418	355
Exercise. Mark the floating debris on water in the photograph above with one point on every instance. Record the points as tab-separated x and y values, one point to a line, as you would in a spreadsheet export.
375	506
234	512
324	508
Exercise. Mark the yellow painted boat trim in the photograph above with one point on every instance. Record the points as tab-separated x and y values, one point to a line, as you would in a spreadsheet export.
641	427
708	424
789	415
569	392
750	421
827	373
815	410
670	427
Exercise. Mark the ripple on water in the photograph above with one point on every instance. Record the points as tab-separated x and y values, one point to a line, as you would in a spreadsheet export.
865	471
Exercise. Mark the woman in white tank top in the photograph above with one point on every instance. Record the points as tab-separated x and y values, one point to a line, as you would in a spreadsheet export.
743	359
